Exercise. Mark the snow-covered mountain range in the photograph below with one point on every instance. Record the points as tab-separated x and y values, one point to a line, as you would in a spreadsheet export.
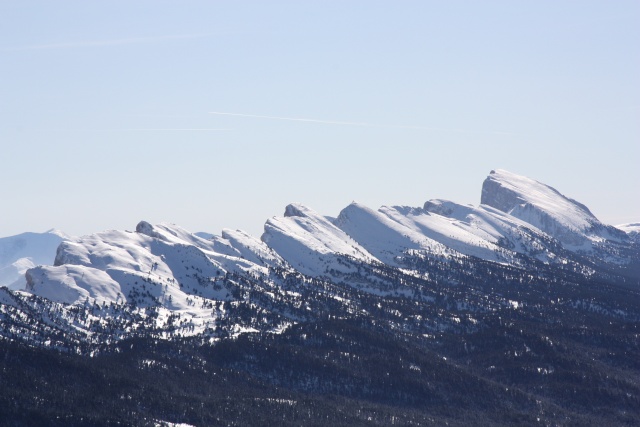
524	309
200	278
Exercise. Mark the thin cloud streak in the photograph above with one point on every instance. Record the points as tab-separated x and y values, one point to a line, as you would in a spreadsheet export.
362	124
292	119
102	43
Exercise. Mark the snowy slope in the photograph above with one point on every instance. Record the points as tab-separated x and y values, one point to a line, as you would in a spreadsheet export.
23	251
309	242
476	231
383	235
71	284
251	248
443	228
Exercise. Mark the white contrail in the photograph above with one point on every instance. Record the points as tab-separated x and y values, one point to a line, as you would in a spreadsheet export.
364	124
100	43
329	122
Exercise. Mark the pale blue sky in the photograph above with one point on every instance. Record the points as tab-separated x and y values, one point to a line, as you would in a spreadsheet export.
106	107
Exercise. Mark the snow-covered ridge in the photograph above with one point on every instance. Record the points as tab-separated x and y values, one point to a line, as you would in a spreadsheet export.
382	234
309	242
111	266
519	218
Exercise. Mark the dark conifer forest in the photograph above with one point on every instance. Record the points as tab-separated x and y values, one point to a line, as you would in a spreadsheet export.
476	344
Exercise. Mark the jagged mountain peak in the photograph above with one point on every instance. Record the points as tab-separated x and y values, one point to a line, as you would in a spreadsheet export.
544	207
507	191
298	209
